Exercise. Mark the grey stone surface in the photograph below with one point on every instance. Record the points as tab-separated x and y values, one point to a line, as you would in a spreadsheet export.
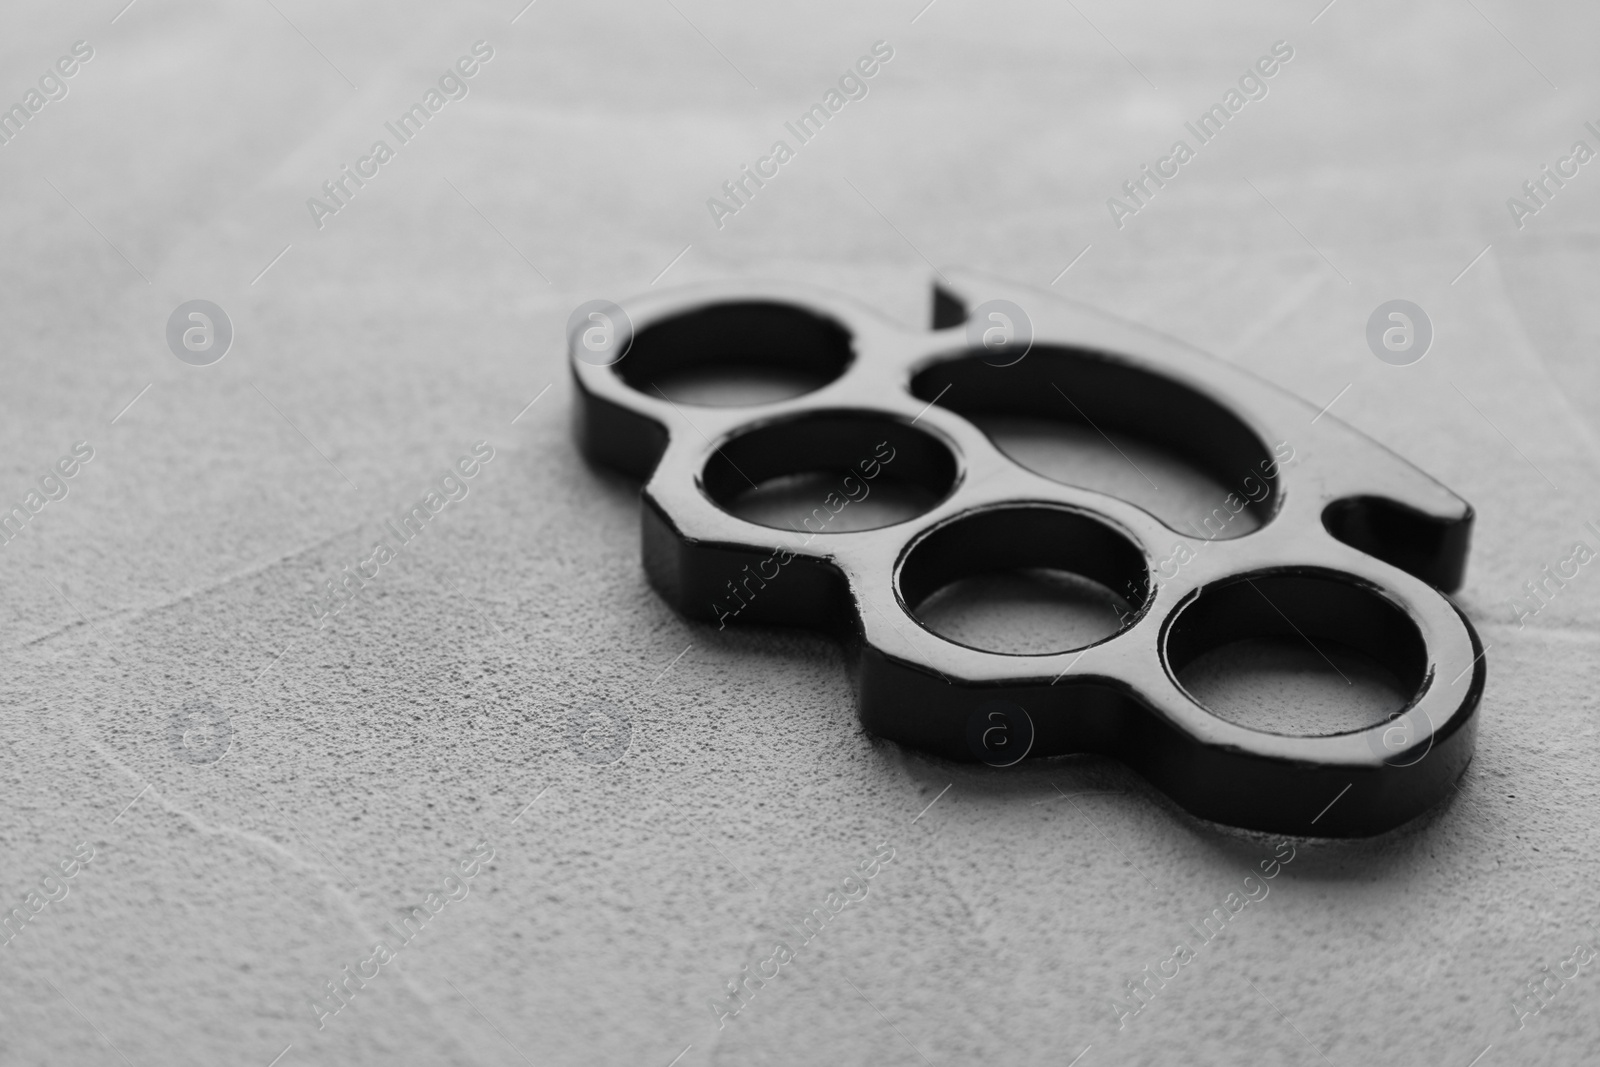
369	757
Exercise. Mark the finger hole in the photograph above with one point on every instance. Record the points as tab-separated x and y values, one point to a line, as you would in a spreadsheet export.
733	354
1300	655
830	473
1024	580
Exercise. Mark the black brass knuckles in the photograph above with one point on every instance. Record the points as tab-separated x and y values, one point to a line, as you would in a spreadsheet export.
1354	548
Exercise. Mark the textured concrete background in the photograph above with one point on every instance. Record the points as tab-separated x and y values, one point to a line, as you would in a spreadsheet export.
367	758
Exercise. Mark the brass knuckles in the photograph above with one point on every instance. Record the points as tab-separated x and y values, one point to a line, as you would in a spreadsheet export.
1355	547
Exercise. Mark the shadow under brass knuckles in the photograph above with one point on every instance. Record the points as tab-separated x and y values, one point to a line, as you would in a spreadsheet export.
1353	548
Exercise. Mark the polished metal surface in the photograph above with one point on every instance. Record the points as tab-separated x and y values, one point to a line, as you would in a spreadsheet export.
1355	548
